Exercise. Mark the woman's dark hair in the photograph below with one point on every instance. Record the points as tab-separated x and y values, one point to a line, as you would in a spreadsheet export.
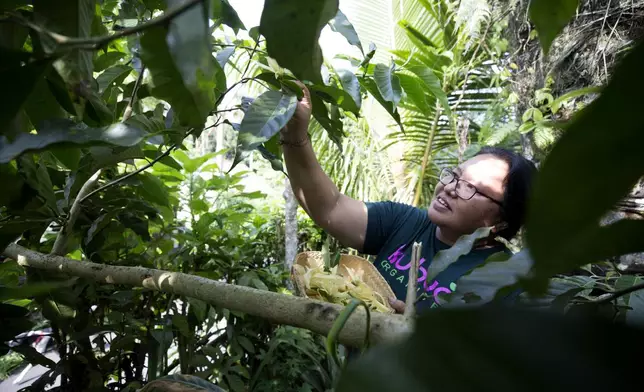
518	186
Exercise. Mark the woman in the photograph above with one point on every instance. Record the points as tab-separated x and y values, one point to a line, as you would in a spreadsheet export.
490	189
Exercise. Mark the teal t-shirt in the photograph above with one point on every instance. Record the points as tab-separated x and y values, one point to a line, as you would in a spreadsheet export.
391	231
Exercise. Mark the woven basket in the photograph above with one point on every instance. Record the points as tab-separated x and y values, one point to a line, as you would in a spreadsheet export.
359	266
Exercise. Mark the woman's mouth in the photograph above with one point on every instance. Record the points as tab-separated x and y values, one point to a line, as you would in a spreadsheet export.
443	203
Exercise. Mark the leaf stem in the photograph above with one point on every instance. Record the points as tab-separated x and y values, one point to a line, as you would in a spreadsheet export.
127	113
410	300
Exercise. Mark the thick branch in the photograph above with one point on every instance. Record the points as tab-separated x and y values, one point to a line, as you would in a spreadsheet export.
299	312
60	245
99	42
410	300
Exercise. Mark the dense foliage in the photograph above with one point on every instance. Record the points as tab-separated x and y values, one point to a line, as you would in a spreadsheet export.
103	102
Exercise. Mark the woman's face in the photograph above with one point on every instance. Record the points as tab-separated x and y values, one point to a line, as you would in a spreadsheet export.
456	216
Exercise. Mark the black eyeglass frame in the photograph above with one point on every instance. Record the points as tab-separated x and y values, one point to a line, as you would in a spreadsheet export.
455	177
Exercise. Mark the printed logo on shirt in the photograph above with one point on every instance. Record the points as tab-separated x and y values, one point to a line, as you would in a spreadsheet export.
394	265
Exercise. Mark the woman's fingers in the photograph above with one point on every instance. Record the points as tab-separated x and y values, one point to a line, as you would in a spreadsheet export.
398	305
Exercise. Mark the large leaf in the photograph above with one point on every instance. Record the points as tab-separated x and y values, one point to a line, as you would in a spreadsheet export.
112	76
299	52
388	83
432	84
106	60
332	126
266	116
337	97
181	65
550	17
180	382
351	85
341	24
154	190
461	247
223	12
500	349
483	284
18	83
371	86
72	18
60	132
562	228
34	357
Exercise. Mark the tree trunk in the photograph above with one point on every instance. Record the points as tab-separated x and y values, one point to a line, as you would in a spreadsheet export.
290	224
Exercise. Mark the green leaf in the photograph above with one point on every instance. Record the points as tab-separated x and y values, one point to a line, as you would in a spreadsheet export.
563	232
113	76
556	104
60	132
370	85
351	85
37	176
550	17
483	283
223	12
182	68
388	83
336	97
340	24
18	83
461	247
265	117
72	18
181	322
498	349
246	344
154	190
199	308
332	126
180	382
259	284
433	85
31	290
10	273
107	60
235	382
300	53
34	357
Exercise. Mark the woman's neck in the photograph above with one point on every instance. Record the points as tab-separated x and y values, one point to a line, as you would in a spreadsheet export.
446	236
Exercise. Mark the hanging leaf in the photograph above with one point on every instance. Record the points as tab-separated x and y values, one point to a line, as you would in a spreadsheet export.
34	289
71	18
550	17
37	177
333	127
154	190
181	323
498	349
60	132
563	232
336	97
246	344
388	83
370	85
351	85
462	246
107	60
340	24
182	68
223	12
300	53
433	85
34	357
500	271
112	76
224	55
266	116
18	83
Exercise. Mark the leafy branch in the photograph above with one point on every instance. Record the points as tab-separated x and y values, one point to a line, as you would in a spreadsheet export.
100	42
619	293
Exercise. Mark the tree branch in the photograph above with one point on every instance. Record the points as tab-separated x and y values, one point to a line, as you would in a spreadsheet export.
99	42
410	300
316	316
60	245
128	175
127	113
613	296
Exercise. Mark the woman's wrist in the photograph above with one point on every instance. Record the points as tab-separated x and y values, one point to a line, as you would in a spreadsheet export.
294	139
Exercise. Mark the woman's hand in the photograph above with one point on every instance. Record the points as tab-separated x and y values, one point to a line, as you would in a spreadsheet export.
298	125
